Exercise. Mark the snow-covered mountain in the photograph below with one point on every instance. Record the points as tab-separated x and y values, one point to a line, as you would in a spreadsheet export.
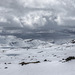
29	56
12	41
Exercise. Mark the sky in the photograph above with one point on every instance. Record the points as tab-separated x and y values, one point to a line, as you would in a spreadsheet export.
36	15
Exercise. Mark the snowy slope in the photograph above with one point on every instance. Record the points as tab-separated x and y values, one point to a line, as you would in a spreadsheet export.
49	55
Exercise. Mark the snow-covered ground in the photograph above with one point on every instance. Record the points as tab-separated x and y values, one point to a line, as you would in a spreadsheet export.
48	55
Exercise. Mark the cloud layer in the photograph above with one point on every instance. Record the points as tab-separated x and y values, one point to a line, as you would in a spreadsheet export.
35	14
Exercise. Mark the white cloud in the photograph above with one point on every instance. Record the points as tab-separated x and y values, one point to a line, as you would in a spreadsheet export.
33	20
37	13
2	19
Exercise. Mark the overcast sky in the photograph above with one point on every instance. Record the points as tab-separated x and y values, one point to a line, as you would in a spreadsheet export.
37	14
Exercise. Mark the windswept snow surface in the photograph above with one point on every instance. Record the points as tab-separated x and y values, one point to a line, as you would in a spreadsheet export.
48	53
